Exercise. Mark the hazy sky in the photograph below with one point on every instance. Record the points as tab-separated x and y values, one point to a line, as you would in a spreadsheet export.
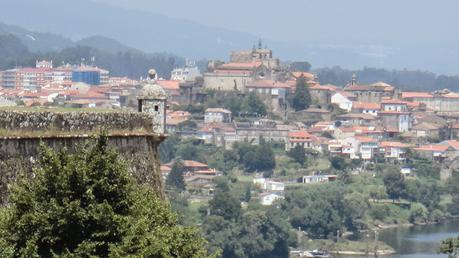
364	21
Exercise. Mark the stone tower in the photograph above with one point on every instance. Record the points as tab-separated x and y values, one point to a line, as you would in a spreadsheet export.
152	99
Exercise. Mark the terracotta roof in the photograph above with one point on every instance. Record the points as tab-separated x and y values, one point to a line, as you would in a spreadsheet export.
393	112
233	72
267	84
393	144
357	116
394	101
169	84
364	139
304	74
366	105
414	94
324	87
432	147
299	134
453	143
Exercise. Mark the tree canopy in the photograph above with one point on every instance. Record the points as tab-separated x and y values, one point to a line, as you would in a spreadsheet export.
86	204
301	98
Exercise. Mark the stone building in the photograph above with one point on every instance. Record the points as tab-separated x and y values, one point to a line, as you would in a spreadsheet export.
371	93
243	68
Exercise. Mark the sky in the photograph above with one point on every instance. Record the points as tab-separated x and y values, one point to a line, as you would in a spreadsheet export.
333	21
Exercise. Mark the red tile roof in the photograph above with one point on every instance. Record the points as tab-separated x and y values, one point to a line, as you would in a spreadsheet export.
366	105
364	139
393	144
414	94
267	84
169	84
432	147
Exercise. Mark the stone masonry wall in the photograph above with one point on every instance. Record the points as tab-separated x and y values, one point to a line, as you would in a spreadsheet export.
130	133
73	121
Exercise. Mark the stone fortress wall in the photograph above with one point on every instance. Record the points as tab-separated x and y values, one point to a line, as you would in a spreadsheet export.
131	133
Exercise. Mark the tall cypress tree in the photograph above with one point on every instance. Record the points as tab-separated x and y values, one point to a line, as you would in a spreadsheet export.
302	97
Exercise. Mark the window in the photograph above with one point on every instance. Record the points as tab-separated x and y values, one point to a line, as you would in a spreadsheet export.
156	108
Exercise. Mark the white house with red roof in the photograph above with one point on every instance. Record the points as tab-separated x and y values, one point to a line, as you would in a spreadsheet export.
394	150
371	108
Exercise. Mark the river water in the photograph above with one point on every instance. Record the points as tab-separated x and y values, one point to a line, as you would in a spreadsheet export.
419	241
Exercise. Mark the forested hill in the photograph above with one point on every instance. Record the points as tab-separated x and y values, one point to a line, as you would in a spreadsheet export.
118	59
405	79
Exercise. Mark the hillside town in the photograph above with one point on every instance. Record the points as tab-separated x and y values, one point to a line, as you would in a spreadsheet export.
269	133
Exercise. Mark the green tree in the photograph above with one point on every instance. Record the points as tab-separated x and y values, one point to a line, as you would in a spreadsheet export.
250	161
298	154
418	213
338	163
450	247
253	105
301	98
175	178
394	182
88	205
265	158
224	204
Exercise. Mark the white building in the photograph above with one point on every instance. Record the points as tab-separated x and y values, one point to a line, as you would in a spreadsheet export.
342	101
269	198
187	73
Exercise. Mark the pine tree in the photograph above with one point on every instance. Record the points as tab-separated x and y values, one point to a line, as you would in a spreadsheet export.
88	205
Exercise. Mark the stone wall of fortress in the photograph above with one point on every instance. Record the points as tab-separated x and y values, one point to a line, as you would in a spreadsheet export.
21	133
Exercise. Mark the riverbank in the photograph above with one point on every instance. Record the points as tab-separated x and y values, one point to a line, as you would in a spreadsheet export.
348	247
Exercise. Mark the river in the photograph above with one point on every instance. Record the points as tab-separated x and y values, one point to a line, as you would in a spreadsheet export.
419	241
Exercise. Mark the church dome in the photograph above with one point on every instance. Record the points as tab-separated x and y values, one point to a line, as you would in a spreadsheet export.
152	90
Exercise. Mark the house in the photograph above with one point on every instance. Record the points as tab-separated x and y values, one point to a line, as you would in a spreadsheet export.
357	119
371	108
322	94
342	100
172	88
175	118
299	138
273	93
426	129
394	115
269	185
434	152
367	147
317	179
393	150
268	199
217	115
267	129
